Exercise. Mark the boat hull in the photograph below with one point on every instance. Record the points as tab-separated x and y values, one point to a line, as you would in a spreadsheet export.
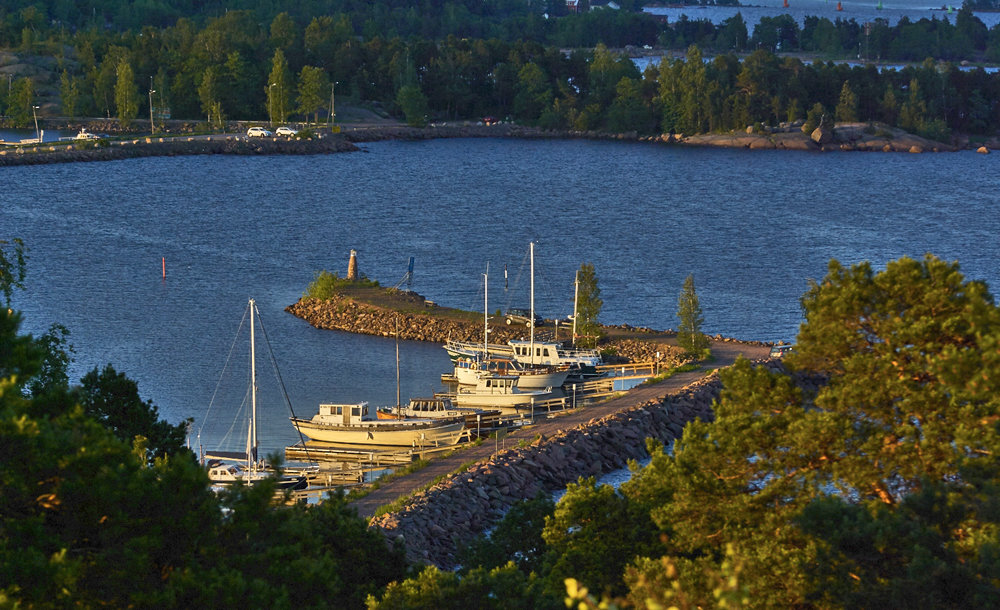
385	433
527	379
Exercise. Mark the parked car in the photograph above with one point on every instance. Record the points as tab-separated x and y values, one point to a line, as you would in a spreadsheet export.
780	351
522	316
258	132
286	131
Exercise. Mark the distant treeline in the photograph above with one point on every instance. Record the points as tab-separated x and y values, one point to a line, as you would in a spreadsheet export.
28	24
236	67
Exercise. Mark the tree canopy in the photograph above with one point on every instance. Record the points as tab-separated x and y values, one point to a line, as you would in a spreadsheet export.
102	507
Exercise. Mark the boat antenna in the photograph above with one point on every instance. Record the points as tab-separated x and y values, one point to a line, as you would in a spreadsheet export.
486	313
399	404
531	322
576	296
253	389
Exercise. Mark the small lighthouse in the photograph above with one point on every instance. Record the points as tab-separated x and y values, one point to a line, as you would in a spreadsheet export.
352	266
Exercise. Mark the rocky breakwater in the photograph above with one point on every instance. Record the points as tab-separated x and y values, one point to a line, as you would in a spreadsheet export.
343	313
346	314
436	521
168	147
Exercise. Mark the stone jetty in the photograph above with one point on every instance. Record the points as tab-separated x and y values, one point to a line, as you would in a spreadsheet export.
170	147
436	521
346	314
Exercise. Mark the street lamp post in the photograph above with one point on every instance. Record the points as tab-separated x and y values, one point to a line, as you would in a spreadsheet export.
270	101
38	138
152	125
333	109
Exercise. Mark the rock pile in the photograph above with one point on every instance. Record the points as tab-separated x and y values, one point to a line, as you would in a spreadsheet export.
345	314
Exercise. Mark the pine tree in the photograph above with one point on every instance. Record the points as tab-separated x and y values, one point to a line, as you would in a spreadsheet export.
126	95
847	106
588	306
689	336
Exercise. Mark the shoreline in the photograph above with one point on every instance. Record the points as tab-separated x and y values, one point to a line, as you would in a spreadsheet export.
846	137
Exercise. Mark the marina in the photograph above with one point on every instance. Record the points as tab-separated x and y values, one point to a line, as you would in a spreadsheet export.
751	255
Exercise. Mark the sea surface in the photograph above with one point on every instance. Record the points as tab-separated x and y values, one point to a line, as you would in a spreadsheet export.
752	227
861	11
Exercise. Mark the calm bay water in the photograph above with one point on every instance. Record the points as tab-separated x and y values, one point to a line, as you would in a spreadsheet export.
752	227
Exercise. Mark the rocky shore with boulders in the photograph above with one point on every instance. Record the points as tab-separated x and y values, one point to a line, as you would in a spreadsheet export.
346	314
435	522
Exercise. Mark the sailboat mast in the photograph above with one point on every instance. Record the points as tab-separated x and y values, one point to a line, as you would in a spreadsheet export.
532	322
576	297
486	312
399	404
251	454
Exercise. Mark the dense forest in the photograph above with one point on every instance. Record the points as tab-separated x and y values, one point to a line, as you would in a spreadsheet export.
504	59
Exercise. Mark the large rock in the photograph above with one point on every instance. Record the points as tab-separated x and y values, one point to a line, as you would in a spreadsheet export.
822	136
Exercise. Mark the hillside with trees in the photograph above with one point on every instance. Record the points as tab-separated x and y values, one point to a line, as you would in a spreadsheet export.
560	72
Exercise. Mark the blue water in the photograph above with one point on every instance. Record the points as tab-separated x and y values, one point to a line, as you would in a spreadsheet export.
859	10
752	227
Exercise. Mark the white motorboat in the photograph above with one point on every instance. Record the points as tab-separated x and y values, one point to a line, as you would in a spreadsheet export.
497	391
468	371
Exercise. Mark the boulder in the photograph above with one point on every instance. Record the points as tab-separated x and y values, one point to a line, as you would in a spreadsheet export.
821	135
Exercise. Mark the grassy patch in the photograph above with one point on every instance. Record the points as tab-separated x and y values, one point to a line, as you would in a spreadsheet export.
357	494
326	285
691	366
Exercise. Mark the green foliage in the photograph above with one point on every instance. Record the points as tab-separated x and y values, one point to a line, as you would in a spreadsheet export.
816	117
593	534
208	93
847	106
313	85
13	262
53	373
69	94
871	490
498	588
517	538
126	95
20	102
279	88
689	335
588	306
113	399
88	521
326	285
413	103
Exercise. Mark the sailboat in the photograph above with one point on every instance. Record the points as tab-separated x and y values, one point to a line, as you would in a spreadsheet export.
226	467
485	362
